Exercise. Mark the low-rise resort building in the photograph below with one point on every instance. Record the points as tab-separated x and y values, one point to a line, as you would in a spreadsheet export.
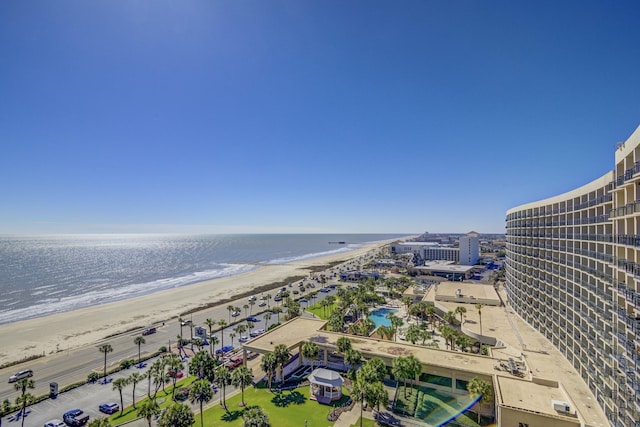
573	273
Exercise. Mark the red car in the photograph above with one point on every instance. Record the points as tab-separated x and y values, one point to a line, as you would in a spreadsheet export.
175	374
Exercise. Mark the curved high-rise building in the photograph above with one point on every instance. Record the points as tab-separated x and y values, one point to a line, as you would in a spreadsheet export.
573	273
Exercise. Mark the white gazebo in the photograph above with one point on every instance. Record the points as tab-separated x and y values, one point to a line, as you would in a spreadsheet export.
326	385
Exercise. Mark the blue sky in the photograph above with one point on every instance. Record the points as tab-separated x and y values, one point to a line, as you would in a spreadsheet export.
306	116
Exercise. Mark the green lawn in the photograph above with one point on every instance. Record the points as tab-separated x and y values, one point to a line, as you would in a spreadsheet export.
289	408
320	312
366	422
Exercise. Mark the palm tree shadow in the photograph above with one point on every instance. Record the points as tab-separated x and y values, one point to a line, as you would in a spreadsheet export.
282	400
231	415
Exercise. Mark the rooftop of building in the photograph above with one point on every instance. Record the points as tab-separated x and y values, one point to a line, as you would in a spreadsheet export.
445	266
476	290
533	396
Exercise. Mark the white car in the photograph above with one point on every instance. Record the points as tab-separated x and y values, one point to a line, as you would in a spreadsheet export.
253	298
243	338
20	375
54	423
235	314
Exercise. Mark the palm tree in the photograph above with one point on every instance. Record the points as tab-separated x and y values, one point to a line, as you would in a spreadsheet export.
268	300
352	358
201	393
230	309
359	392
106	349
213	341
386	332
377	395
277	311
139	340
267	317
242	377
430	312
232	335
223	376
414	367
450	317
282	356
251	304
246	307
478	386
174	363
479	308
344	344
210	323
269	365
134	379
148	409
310	351
100	422
461	311
396	322
176	415
25	399
255	417
413	333
222	323
120	384
400	370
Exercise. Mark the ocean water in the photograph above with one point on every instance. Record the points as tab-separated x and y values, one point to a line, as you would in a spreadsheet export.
43	275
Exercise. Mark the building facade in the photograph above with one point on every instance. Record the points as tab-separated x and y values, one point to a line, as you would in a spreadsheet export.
573	273
467	252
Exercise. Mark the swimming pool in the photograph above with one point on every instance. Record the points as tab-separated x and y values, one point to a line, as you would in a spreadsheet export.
379	316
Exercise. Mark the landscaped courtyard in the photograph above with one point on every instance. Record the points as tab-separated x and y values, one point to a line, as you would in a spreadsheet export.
286	408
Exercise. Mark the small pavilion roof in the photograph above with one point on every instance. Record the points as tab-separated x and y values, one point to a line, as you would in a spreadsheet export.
326	378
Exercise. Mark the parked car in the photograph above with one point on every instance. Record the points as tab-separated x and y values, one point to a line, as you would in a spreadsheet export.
243	338
172	373
304	300
235	314
256	333
149	331
234	362
252	319
253	298
75	418
277	298
109	408
262	304
225	349
20	375
54	423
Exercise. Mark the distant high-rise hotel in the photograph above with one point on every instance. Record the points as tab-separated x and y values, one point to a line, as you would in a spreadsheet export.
573	273
467	252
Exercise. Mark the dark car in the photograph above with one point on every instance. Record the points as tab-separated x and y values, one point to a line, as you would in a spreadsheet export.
252	319
225	349
75	418
149	331
109	408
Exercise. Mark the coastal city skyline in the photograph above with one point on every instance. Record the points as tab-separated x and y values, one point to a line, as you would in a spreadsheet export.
306	117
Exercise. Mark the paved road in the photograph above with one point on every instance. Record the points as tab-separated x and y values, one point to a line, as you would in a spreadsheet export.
67	367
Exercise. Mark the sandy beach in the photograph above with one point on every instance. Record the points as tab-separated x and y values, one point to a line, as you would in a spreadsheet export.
88	325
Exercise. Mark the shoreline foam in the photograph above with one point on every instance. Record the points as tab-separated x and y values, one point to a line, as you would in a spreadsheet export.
69	330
